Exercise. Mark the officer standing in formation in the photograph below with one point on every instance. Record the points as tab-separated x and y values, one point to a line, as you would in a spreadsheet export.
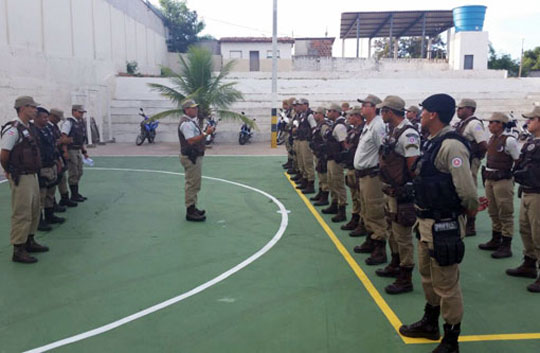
473	130
306	123
21	161
317	146
192	146
503	150
74	128
400	149
527	174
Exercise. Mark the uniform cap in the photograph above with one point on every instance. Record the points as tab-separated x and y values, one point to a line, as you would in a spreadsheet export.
534	114
24	101
303	101
466	102
392	102
413	109
57	112
370	99
441	103
320	110
78	107
334	106
291	100
189	103
43	110
356	110
498	116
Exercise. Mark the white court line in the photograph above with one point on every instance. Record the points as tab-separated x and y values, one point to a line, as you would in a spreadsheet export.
202	287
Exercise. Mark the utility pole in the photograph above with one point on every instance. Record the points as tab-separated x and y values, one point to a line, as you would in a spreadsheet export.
521	58
273	137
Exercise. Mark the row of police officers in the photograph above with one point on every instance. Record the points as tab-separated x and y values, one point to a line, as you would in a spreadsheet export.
40	154
408	168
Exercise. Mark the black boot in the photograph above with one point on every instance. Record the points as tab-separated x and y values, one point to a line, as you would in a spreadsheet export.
51	218
309	189
392	269
494	243
504	250
21	255
201	212
341	215
302	184
378	255
470	227
332	209
427	327
75	193
292	171
57	208
297	177
353	223
65	201
366	247
449	343
323	200
43	226
360	230
403	283
534	287
193	216
317	196
527	269
33	246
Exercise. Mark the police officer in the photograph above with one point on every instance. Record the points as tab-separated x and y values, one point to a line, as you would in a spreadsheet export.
473	130
306	122
74	128
345	107
503	150
48	174
318	147
21	161
286	110
297	162
55	117
412	113
366	163
192	145
335	138
443	171
527	174
400	149
354	119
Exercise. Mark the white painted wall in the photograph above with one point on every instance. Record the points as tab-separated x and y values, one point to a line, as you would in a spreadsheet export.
285	49
69	51
469	43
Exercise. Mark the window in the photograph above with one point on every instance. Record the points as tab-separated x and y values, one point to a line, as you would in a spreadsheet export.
269	54
468	62
235	54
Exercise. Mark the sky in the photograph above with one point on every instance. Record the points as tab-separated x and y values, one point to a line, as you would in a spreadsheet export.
509	24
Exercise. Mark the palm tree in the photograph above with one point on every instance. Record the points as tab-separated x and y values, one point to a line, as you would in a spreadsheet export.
197	81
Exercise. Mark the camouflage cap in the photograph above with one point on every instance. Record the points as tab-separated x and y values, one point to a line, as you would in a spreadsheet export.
334	106
466	102
24	101
413	109
356	110
189	103
370	99
392	102
78	107
534	114
498	116
57	112
321	110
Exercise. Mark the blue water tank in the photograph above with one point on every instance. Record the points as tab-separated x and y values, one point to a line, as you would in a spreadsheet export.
469	18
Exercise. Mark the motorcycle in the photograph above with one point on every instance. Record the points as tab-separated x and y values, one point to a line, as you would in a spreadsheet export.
281	127
245	133
148	129
210	122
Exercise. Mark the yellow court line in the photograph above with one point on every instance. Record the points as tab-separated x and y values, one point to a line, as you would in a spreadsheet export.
379	300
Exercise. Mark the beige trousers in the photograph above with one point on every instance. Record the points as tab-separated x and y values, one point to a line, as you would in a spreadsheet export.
75	167
306	156
24	208
323	177
336	183
372	207
192	176
529	224
400	238
500	194
352	182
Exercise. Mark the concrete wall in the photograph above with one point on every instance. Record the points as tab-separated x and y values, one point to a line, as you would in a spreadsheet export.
322	88
469	43
69	51
285	49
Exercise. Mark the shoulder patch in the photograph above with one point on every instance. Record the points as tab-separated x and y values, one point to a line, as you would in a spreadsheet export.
11	132
479	127
411	135
457	162
531	147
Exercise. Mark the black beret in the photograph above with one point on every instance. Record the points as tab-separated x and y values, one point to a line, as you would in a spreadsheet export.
42	110
442	104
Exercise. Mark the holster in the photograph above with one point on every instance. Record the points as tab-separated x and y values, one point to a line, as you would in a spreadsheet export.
448	248
321	166
406	214
483	174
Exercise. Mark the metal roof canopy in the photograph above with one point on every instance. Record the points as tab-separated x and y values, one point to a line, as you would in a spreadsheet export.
395	23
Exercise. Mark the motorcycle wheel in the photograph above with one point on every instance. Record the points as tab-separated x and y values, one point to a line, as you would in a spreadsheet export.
151	136
242	139
140	140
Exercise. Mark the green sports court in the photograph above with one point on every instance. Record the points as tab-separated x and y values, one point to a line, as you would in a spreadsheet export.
266	272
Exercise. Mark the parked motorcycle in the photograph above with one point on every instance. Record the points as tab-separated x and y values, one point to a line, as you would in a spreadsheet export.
245	133
148	129
281	127
210	121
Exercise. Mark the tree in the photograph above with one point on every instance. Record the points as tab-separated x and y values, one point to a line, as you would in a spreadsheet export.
531	61
502	62
411	47
197	81
183	24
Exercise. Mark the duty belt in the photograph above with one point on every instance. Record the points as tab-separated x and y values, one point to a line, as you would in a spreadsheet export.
437	214
374	171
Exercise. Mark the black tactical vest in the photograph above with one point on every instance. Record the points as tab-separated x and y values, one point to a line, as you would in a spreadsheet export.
47	145
303	132
393	166
196	149
353	136
527	169
333	146
24	157
317	143
77	133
